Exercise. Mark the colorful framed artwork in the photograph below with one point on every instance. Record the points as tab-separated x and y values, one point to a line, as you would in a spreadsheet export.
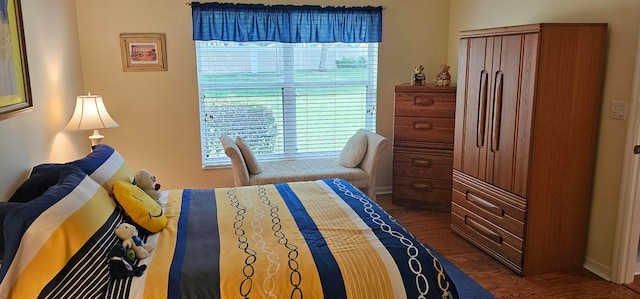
15	90
142	52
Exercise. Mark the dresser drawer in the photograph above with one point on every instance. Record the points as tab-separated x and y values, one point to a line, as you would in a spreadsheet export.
496	205
424	129
425	104
491	238
422	192
428	164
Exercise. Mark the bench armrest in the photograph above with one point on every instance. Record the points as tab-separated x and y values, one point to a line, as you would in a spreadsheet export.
375	146
240	171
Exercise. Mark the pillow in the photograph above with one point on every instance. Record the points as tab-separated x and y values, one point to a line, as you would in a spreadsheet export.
41	178
142	209
105	166
5	207
70	226
353	151
249	158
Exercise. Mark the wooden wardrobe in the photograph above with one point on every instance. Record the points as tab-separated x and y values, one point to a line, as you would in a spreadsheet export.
527	111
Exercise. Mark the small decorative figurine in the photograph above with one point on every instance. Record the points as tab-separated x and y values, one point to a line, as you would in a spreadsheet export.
443	78
418	78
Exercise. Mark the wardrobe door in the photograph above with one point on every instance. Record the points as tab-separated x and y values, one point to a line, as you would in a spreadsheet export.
470	145
509	112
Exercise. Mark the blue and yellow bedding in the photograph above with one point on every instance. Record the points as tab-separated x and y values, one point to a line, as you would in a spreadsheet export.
320	239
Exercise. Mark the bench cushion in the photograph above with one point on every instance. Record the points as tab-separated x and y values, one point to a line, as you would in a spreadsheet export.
308	170
353	151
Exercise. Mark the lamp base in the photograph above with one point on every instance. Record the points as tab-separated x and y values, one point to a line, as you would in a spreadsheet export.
96	138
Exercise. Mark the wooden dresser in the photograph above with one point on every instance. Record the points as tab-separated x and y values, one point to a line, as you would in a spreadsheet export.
525	140
423	145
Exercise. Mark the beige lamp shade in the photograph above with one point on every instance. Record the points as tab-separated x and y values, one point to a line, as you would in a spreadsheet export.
91	114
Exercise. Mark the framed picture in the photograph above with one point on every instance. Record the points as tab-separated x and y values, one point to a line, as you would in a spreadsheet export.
15	91
142	52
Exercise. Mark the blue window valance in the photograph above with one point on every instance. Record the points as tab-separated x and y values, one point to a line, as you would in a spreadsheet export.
286	23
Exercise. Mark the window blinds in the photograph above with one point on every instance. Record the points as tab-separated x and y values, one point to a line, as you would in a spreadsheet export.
286	99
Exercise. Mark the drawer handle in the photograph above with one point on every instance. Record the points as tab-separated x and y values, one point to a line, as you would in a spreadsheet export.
419	101
421	186
422	125
481	229
485	205
419	162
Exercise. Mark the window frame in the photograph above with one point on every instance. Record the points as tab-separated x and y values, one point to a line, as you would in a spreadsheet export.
288	85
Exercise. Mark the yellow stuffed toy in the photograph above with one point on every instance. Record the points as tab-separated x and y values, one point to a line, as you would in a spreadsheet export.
128	234
143	210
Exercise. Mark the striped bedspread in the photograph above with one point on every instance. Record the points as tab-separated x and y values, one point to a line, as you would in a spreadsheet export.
321	239
318	239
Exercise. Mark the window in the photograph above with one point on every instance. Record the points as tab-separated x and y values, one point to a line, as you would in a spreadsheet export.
288	100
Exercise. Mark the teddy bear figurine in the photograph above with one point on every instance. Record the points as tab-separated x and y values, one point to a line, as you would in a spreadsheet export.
418	78
443	78
119	267
147	182
128	234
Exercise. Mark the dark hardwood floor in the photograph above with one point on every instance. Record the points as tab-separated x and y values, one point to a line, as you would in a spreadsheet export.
432	228
635	285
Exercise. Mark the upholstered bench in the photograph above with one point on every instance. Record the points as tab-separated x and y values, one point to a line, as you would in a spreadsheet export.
356	164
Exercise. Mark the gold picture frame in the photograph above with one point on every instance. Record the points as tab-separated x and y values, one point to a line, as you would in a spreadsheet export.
15	88
143	52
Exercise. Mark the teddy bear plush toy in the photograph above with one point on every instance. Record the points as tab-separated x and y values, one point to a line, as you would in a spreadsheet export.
147	182
444	77
418	78
119	267
128	234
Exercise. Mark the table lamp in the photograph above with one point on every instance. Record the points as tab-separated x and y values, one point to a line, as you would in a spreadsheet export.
91	114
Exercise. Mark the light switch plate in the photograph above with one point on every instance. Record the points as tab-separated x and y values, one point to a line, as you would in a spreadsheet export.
618	110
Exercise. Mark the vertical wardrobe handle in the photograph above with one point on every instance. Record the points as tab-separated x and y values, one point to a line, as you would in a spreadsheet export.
482	108
497	112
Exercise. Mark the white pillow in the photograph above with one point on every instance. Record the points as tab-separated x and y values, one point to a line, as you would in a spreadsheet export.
353	151
249	158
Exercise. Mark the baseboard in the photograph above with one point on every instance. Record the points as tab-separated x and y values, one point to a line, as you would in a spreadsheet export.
598	268
383	190
636	270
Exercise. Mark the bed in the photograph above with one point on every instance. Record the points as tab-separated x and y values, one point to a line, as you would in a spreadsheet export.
316	239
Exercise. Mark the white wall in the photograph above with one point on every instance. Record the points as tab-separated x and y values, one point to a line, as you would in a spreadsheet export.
37	136
158	111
